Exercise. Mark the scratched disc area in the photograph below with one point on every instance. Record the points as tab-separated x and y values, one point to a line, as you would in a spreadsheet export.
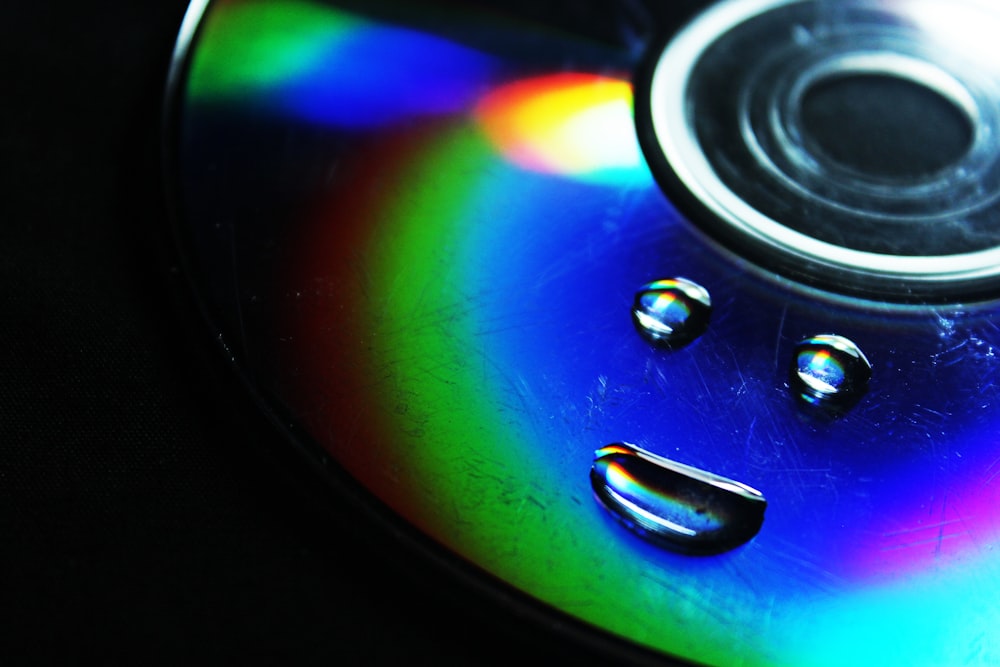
418	229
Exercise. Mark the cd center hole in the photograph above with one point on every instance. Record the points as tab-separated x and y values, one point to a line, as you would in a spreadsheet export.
884	126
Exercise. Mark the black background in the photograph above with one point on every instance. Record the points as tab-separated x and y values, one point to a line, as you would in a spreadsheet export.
148	513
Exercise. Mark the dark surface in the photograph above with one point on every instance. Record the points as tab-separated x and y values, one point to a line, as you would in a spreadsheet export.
148	513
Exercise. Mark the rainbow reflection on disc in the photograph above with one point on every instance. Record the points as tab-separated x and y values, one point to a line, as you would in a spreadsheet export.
420	228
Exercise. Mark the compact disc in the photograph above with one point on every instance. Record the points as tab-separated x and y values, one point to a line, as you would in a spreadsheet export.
464	252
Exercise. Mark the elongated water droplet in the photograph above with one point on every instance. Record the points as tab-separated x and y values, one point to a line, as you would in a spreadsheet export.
671	312
675	505
830	371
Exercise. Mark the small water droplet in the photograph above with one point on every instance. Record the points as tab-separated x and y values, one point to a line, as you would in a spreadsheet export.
830	370
802	36
671	312
674	505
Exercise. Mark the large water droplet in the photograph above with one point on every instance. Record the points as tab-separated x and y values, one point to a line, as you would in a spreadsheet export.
671	312
675	505
829	370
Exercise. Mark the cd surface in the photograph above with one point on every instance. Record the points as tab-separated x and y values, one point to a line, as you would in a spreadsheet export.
441	243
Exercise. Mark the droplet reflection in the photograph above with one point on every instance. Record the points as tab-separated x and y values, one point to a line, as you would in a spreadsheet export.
671	312
829	370
674	505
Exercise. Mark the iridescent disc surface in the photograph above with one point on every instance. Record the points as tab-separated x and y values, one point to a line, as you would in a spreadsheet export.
419	228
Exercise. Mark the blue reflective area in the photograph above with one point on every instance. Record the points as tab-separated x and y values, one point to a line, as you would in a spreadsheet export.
377	75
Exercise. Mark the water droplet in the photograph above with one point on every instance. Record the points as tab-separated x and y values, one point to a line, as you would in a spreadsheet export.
671	312
802	36
829	370
675	505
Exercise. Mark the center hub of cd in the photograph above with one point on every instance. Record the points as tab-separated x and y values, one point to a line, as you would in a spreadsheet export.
882	126
853	146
